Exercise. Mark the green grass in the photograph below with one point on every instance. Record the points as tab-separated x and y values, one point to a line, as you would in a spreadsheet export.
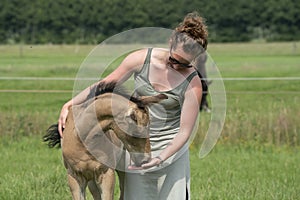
30	170
246	172
256	157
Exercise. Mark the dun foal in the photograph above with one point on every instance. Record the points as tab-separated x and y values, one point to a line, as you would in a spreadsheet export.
121	121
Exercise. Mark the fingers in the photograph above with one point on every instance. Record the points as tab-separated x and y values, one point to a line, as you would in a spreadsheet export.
60	129
62	121
132	167
154	162
150	164
61	125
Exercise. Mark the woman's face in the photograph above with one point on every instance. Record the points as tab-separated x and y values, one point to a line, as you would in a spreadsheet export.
179	58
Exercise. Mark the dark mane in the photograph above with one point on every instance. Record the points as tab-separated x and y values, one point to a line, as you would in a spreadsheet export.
112	87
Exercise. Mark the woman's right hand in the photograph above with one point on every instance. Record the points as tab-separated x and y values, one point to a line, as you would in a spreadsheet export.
62	119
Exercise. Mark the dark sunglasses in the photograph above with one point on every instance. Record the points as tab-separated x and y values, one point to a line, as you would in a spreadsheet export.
174	61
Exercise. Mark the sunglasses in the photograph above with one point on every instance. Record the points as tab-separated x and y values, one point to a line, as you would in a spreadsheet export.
174	61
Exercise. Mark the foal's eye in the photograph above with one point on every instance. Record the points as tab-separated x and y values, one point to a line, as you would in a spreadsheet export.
133	117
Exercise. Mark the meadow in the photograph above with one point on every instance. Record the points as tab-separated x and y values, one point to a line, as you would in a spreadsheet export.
256	157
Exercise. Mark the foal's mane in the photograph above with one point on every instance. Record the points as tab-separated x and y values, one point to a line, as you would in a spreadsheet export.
112	87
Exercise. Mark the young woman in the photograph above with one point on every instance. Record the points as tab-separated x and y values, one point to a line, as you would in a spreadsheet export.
171	72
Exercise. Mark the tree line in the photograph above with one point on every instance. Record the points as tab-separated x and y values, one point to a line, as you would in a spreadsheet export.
92	21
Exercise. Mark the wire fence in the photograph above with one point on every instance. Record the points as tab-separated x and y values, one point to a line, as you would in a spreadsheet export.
225	79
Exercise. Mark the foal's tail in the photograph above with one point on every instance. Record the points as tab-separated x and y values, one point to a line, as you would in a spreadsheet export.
52	137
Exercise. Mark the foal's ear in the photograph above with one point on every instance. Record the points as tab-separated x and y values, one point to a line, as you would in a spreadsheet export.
153	99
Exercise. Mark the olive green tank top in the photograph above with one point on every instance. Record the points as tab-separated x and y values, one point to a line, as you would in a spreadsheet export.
165	116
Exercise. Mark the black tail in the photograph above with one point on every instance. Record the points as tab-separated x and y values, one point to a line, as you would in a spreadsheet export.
52	137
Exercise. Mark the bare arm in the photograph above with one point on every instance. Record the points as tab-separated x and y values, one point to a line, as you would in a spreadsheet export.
188	118
132	63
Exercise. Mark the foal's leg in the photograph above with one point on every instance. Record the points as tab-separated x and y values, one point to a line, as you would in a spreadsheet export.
94	190
121	174
106	183
77	187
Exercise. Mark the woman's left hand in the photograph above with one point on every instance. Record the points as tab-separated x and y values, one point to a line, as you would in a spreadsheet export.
153	162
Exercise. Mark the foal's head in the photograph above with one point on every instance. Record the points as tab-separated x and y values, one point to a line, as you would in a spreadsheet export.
132	127
131	120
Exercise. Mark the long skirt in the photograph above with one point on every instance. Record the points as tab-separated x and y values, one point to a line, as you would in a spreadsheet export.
169	182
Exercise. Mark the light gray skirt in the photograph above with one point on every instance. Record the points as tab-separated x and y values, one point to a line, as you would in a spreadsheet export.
168	182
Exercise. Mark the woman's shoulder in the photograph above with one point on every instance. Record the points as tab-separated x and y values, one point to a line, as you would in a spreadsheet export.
136	58
195	82
154	51
139	52
159	53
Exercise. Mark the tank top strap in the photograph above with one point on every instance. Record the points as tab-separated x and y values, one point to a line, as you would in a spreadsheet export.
187	82
148	57
191	76
145	67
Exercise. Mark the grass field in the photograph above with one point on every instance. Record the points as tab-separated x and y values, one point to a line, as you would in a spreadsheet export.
257	156
29	170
